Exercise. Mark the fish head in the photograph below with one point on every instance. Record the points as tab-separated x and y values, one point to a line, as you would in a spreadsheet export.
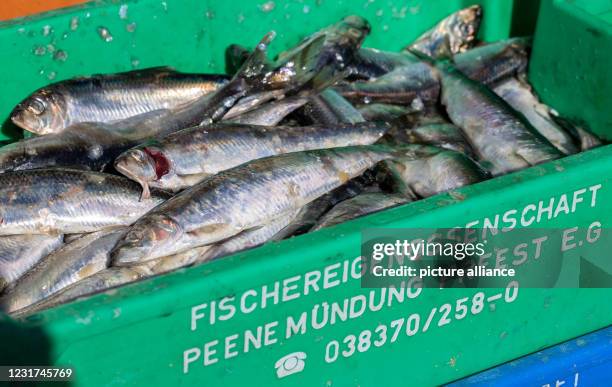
153	237
463	28
346	36
41	113
354	28
143	164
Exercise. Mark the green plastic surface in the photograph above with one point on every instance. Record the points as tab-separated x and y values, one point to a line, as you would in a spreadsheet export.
574	52
138	334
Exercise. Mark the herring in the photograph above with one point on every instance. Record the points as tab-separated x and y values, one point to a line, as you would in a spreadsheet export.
64	201
520	96
19	253
108	98
185	158
500	137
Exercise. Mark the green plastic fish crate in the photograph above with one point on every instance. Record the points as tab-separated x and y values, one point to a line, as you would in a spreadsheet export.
263	317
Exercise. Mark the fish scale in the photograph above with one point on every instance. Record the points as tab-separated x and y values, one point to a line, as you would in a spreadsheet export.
141	98
18	253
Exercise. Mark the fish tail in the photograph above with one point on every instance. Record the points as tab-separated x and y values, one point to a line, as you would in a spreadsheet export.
257	62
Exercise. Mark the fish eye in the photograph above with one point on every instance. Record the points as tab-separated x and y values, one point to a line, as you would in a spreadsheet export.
37	106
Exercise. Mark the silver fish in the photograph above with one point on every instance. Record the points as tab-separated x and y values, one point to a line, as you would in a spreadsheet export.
320	56
360	205
455	33
251	102
271	113
330	108
52	201
501	137
520	96
443	135
94	145
371	63
98	282
18	253
412	84
71	263
578	129
384	112
493	62
108	98
239	199
440	171
113	277
185	158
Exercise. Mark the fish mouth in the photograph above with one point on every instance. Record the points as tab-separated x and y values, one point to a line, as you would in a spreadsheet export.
16	118
31	125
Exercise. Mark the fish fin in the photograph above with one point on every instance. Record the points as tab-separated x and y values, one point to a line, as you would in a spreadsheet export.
210	254
217	249
257	62
224	230
153	70
518	154
305	62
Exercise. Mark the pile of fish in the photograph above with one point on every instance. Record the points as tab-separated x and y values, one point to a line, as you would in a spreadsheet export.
135	174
